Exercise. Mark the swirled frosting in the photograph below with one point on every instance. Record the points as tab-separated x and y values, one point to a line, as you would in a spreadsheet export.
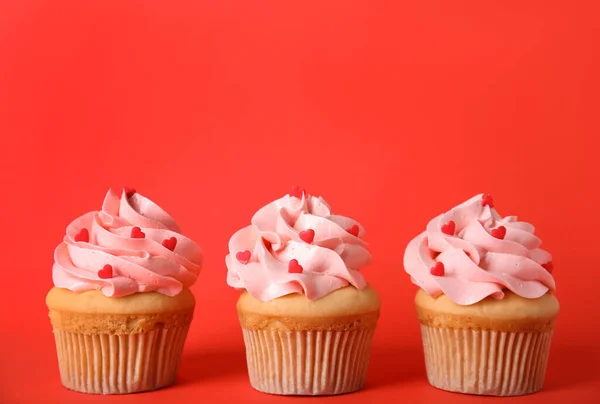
140	242
481	254
295	245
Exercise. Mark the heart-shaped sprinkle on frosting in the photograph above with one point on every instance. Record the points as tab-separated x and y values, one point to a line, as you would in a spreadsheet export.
243	256
294	267
499	232
170	243
136	232
449	228
353	230
106	272
486	199
307	235
83	236
438	269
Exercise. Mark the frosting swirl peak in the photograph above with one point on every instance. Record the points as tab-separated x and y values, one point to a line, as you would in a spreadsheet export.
295	245
139	243
481	254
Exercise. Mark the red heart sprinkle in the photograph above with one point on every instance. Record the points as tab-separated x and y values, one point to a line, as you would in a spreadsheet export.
449	228
499	232
548	266
106	272
297	192
486	199
353	230
170	243
307	235
294	267
129	192
136	232
438	269
243	256
83	235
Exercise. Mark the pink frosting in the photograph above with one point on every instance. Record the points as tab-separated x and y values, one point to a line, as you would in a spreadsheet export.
138	264
331	261
476	263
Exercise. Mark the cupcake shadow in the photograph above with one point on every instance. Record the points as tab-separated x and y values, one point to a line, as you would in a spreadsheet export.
383	366
564	369
202	365
393	366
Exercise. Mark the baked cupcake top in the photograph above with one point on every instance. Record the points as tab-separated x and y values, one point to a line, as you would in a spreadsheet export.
295	245
131	245
471	252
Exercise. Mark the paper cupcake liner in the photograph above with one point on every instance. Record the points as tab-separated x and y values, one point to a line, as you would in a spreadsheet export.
308	362
119	364
486	362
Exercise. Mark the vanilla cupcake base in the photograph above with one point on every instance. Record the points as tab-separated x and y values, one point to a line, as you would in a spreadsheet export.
119	364
119	345
486	362
495	347
307	362
299	347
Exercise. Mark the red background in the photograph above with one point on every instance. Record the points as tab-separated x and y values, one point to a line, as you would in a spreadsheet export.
393	111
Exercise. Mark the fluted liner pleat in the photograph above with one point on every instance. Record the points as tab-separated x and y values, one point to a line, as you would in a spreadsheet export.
486	362
118	364
308	362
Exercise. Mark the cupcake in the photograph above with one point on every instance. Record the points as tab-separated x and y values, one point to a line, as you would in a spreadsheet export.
120	307
306	313
486	305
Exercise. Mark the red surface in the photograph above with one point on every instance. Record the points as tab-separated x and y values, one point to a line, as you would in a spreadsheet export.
393	111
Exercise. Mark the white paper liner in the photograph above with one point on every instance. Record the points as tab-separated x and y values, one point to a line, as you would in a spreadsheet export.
119	364
308	362
486	362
